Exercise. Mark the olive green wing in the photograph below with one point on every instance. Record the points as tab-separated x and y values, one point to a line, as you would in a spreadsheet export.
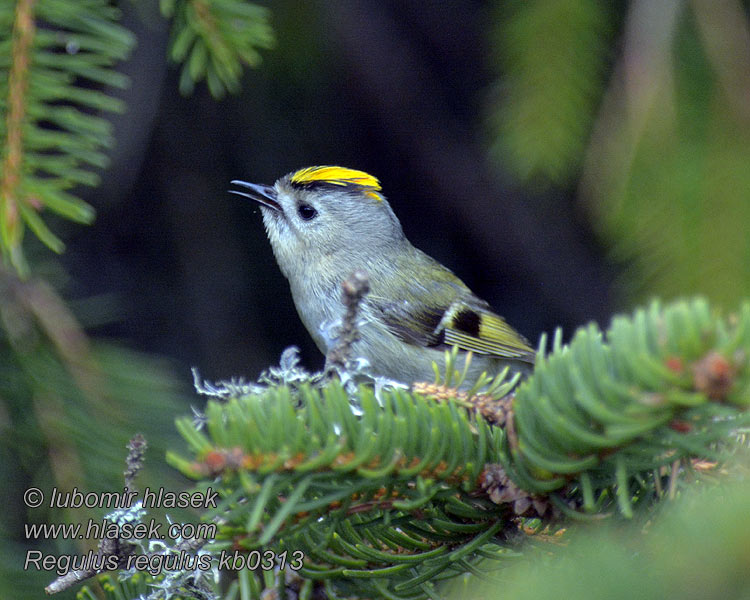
445	313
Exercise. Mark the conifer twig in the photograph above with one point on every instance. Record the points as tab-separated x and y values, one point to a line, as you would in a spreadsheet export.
354	288
23	37
108	547
134	462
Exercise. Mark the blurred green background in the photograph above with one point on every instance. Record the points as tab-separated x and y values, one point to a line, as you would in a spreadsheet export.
566	158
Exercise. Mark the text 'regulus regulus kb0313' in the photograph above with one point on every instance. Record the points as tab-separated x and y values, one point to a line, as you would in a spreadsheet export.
326	222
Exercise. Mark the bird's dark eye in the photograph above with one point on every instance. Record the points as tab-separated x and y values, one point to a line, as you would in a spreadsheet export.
306	212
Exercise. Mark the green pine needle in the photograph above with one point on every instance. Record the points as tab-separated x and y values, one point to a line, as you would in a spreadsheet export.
213	40
51	138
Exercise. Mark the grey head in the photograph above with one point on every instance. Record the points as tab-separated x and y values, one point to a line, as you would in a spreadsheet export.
322	214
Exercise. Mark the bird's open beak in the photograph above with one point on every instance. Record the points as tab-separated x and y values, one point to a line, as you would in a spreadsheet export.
262	194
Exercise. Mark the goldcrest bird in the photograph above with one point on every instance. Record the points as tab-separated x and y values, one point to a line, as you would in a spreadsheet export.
324	223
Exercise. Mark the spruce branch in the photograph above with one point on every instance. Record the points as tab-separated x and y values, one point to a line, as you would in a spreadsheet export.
57	61
213	40
647	169
394	494
552	60
664	385
59	55
22	37
412	488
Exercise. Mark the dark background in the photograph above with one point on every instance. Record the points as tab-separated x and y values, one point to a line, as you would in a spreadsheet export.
177	266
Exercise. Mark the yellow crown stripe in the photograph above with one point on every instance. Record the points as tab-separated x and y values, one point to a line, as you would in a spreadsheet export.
335	176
